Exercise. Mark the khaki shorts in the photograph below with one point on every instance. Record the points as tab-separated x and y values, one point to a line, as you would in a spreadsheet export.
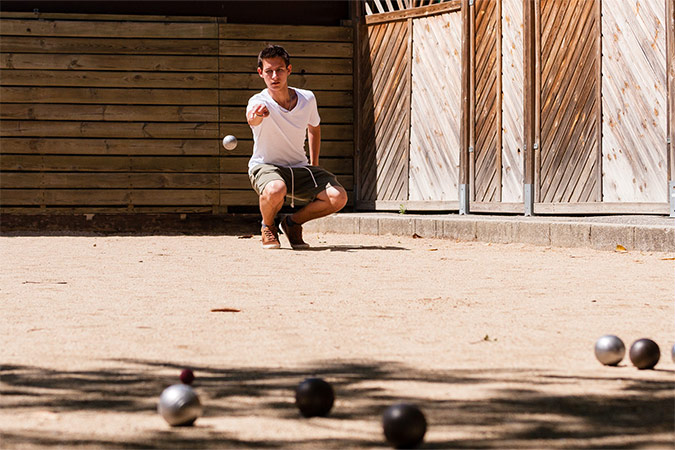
303	184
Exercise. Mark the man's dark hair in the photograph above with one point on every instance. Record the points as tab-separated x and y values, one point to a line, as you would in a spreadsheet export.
273	51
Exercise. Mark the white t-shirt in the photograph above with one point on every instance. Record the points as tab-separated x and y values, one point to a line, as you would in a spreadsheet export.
280	138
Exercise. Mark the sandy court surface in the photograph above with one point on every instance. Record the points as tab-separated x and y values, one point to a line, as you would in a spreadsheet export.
493	342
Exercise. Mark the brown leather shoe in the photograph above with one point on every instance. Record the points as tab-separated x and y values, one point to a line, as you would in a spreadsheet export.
294	234
270	237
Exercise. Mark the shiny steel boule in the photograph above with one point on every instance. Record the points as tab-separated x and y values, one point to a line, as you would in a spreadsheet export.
229	142
609	350
644	353
179	405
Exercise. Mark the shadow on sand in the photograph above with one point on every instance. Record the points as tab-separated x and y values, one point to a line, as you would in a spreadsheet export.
641	411
350	248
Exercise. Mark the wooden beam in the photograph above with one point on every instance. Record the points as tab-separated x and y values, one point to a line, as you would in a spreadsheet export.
424	11
600	208
498	99
409	56
123	209
529	92
598	100
497	207
471	145
465	95
537	98
104	17
120	29
670	61
397	205
230	31
108	146
294	48
357	13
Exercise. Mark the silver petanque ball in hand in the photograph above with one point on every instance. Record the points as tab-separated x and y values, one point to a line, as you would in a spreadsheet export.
179	405
229	142
609	350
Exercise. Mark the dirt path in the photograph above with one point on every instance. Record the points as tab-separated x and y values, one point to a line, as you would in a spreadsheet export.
493	342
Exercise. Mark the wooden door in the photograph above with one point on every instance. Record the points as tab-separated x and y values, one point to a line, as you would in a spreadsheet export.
496	160
634	101
485	161
435	108
384	82
568	163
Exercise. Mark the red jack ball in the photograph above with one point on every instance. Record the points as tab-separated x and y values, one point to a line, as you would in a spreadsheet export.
187	376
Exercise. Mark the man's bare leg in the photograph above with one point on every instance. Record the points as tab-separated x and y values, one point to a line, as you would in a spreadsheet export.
333	199
271	200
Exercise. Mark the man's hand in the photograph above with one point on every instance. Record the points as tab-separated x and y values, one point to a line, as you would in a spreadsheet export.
257	114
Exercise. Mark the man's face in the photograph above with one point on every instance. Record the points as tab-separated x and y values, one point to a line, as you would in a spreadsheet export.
275	73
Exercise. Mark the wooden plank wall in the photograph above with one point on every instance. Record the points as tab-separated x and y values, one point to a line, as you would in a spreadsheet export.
385	112
109	114
512	101
487	148
570	123
634	101
435	111
125	113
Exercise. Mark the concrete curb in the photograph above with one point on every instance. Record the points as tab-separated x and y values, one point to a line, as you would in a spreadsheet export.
646	234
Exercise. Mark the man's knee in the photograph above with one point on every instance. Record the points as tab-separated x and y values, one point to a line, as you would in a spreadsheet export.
337	197
274	191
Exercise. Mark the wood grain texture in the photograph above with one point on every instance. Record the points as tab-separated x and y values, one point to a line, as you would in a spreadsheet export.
72	61
70	78
107	146
435	108
384	112
487	127
116	113
670	64
634	102
103	29
122	113
569	107
285	33
111	45
294	48
512	101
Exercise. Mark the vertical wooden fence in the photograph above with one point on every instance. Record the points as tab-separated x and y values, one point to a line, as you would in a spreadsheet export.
569	151
591	98
125	113
634	102
385	112
410	108
435	115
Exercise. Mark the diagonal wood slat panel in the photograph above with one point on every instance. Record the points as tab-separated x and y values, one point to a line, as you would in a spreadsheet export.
435	111
574	124
385	109
486	126
512	101
634	102
569	111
